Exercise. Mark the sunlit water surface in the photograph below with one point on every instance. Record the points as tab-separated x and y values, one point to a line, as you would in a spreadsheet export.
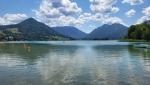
73	63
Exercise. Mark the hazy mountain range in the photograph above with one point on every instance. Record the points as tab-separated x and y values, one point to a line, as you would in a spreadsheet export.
147	22
70	31
30	29
108	32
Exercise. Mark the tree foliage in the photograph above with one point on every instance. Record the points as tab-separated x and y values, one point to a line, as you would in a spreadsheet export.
139	32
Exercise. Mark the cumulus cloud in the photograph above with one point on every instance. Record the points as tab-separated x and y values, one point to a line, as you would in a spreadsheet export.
12	18
104	19
2	21
146	11
104	6
58	12
82	19
130	13
67	12
69	20
56	8
112	20
142	19
145	17
64	20
133	2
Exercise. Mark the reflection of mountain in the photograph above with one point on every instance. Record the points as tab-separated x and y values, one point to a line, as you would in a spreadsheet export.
24	61
31	52
72	64
28	52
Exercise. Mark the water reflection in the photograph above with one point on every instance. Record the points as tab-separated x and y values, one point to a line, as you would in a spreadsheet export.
29	52
44	64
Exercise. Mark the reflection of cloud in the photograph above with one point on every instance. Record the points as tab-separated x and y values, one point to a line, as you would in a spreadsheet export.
85	64
59	67
94	65
7	60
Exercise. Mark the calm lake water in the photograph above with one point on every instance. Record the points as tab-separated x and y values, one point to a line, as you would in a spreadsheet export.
73	63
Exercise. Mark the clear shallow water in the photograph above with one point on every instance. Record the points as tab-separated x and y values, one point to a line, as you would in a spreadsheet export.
73	63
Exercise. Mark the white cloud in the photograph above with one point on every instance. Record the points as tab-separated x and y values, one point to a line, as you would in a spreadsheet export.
64	20
146	11
56	8
70	20
12	18
67	12
112	20
58	12
145	17
133	2
130	13
2	21
104	6
103	19
142	19
85	17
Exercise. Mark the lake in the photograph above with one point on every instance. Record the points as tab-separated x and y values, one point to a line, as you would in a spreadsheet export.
73	63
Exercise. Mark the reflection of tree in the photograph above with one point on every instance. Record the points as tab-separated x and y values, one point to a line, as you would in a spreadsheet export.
143	53
59	64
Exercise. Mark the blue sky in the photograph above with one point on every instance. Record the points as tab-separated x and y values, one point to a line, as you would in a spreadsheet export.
83	14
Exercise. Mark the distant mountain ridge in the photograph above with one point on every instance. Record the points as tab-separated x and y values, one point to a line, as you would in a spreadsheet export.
70	31
30	29
108	32
147	22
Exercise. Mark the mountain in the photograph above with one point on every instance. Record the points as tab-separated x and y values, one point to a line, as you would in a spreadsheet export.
29	29
147	22
108	32
70	32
